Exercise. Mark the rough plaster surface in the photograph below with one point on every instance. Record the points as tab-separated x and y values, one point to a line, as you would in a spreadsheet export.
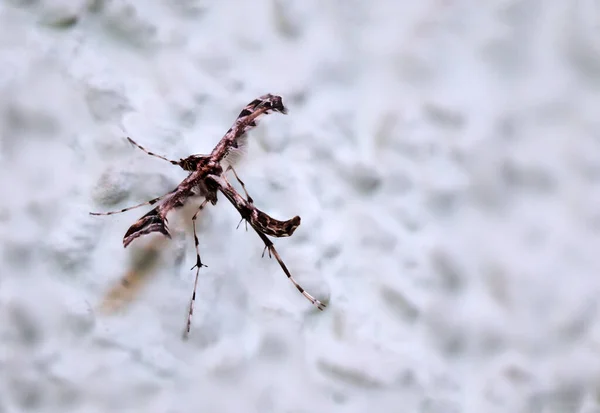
444	157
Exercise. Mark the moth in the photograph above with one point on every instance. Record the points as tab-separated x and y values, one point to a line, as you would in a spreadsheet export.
207	177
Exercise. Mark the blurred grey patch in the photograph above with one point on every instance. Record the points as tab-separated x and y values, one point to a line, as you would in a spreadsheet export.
343	121
490	342
189	8
593	221
320	151
339	325
495	278
375	234
450	274
144	259
147	185
508	127
96	6
25	3
400	305
588	163
111	189
444	117
407	378
22	121
577	326
506	54
106	105
364	178
25	328
518	13
274	142
265	402
16	254
568	398
349	375
444	203
298	98
386	130
286	20
528	177
413	220
452	343
273	348
27	392
187	116
179	254
125	25
339	398
581	34
60	19
156	366
446	334
399	182
66	393
329	252
71	247
434	405
79	320
517	374
413	68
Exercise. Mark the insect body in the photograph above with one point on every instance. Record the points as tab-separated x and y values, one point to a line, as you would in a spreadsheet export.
207	176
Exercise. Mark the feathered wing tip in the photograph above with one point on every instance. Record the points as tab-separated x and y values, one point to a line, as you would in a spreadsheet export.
273	227
237	152
151	222
272	102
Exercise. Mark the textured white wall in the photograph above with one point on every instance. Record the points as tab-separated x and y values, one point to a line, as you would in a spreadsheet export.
444	157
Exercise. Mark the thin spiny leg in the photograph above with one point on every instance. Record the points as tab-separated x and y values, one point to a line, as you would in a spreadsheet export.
248	197
262	224
151	153
198	265
151	202
271	248
240	223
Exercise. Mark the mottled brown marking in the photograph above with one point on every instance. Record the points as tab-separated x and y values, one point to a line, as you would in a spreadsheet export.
206	178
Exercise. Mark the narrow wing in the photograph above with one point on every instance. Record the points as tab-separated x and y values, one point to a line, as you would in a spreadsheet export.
153	221
156	219
233	145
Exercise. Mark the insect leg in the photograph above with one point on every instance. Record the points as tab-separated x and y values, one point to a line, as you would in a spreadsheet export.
198	265
271	248
248	197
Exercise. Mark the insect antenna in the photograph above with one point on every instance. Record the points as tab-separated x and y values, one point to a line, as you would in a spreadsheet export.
151	202
151	153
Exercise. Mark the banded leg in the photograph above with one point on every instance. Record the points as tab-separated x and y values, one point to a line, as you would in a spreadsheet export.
271	248
151	202
151	153
248	197
198	265
263	224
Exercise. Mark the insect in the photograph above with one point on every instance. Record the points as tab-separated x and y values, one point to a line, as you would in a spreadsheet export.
207	177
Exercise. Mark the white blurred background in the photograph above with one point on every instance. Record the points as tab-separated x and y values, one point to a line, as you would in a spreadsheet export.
444	156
